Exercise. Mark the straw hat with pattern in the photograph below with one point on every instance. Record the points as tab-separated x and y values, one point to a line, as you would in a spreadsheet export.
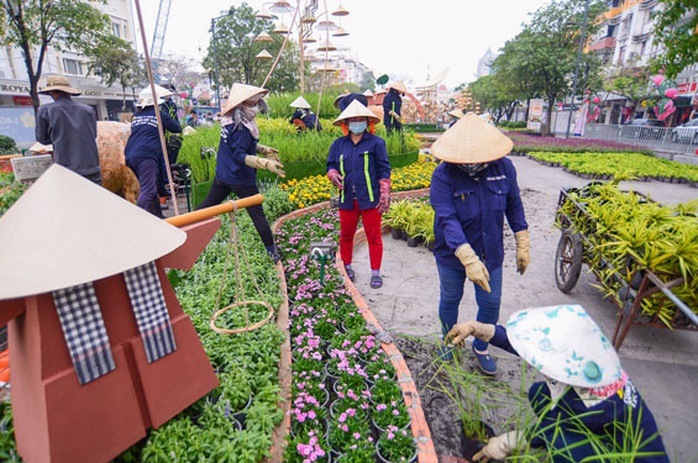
240	93
399	86
564	343
300	102
471	140
355	109
59	84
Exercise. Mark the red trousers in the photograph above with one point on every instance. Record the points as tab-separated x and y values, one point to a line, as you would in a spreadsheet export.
371	219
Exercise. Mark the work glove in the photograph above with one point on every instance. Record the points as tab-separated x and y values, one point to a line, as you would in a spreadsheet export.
384	200
500	447
394	115
482	331
523	250
475	270
335	177
268	152
261	163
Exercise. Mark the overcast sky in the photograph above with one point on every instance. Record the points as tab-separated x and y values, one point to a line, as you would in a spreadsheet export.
404	39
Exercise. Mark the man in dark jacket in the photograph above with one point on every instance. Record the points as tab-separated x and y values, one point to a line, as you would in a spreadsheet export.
392	107
71	128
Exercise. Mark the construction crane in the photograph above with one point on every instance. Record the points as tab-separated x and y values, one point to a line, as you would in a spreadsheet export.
159	37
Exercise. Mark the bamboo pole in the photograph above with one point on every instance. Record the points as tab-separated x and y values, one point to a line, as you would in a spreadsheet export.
207	213
161	130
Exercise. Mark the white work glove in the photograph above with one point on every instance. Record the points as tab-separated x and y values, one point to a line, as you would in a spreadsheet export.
523	250
395	116
260	163
482	331
475	270
500	447
268	152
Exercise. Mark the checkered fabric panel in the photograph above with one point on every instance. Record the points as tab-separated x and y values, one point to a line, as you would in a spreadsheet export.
149	307
84	331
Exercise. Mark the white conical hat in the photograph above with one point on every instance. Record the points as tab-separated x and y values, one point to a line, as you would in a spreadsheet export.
355	109
300	103
145	96
399	86
240	93
565	344
66	230
471	140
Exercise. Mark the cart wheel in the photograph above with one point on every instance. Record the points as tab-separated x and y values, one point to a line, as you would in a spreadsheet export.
568	261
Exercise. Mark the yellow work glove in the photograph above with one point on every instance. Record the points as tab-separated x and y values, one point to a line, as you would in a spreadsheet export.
268	152
482	331
523	250
500	447
260	163
475	270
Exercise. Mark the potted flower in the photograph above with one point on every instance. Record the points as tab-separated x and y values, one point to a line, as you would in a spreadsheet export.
305	448
386	391
360	453
348	429
391	414
396	445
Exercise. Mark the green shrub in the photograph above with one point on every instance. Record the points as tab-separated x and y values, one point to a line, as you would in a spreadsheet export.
7	145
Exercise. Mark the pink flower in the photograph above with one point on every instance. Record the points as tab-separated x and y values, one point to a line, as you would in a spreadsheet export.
380	407
345	428
357	436
342	417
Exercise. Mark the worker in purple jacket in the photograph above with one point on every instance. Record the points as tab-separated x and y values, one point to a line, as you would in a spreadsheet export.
587	407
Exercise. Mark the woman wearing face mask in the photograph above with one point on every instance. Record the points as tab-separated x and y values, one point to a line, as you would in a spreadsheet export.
237	163
358	165
472	190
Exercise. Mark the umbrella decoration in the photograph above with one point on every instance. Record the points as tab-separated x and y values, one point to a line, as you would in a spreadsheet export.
668	90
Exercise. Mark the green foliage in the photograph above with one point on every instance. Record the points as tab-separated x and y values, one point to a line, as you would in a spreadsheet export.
10	191
114	60
199	152
675	30
7	145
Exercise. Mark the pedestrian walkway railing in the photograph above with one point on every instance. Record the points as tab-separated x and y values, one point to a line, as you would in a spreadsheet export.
656	138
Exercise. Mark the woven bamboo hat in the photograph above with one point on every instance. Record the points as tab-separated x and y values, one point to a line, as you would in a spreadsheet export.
564	343
471	140
145	97
60	84
356	109
240	93
300	102
457	113
399	86
66	230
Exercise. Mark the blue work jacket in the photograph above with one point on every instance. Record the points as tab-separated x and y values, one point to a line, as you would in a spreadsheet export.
308	118
472	209
144	141
621	417
362	165
236	143
392	102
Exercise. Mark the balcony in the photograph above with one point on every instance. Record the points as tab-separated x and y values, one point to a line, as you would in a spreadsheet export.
603	44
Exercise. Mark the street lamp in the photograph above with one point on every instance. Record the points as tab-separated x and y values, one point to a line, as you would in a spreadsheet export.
576	69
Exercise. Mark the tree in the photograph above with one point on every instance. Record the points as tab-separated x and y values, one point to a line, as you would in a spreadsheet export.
630	82
115	60
33	25
676	28
236	52
494	97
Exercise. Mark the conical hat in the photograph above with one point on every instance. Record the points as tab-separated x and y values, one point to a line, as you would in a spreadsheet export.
471	140
356	109
145	96
240	93
368	93
66	230
300	103
457	113
399	86
565	344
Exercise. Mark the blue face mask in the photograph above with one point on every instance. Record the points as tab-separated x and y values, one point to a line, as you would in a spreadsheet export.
357	128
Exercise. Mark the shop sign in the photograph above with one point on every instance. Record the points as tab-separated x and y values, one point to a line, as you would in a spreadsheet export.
22	100
30	167
687	88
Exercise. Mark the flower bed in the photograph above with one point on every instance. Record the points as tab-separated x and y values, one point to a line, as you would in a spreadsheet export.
524	143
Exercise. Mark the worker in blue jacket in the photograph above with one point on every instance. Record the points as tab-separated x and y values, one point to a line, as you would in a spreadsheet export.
587	407
237	162
303	118
343	100
392	107
143	149
358	165
472	190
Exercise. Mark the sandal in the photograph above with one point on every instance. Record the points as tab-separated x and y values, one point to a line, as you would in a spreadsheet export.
376	281
350	273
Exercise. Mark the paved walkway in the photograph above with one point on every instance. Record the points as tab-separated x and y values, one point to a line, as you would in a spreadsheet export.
662	363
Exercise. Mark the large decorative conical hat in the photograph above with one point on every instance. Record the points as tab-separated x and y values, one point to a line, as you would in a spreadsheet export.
356	109
66	230
564	343
300	102
240	93
471	140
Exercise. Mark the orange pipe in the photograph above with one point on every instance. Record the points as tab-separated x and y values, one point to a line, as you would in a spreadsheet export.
207	213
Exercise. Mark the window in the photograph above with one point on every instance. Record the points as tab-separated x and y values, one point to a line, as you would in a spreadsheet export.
621	56
72	66
643	47
116	28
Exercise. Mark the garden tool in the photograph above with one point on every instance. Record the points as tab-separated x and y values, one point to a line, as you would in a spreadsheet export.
475	270
272	166
482	331
523	250
500	447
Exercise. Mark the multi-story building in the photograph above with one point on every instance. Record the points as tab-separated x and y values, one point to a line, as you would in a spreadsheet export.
484	64
16	111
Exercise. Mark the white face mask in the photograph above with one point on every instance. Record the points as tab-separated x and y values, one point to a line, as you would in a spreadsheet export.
250	111
357	128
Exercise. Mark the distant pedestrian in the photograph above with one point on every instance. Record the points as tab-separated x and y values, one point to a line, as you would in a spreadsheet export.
456	114
358	165
71	128
303	117
144	149
342	101
392	107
